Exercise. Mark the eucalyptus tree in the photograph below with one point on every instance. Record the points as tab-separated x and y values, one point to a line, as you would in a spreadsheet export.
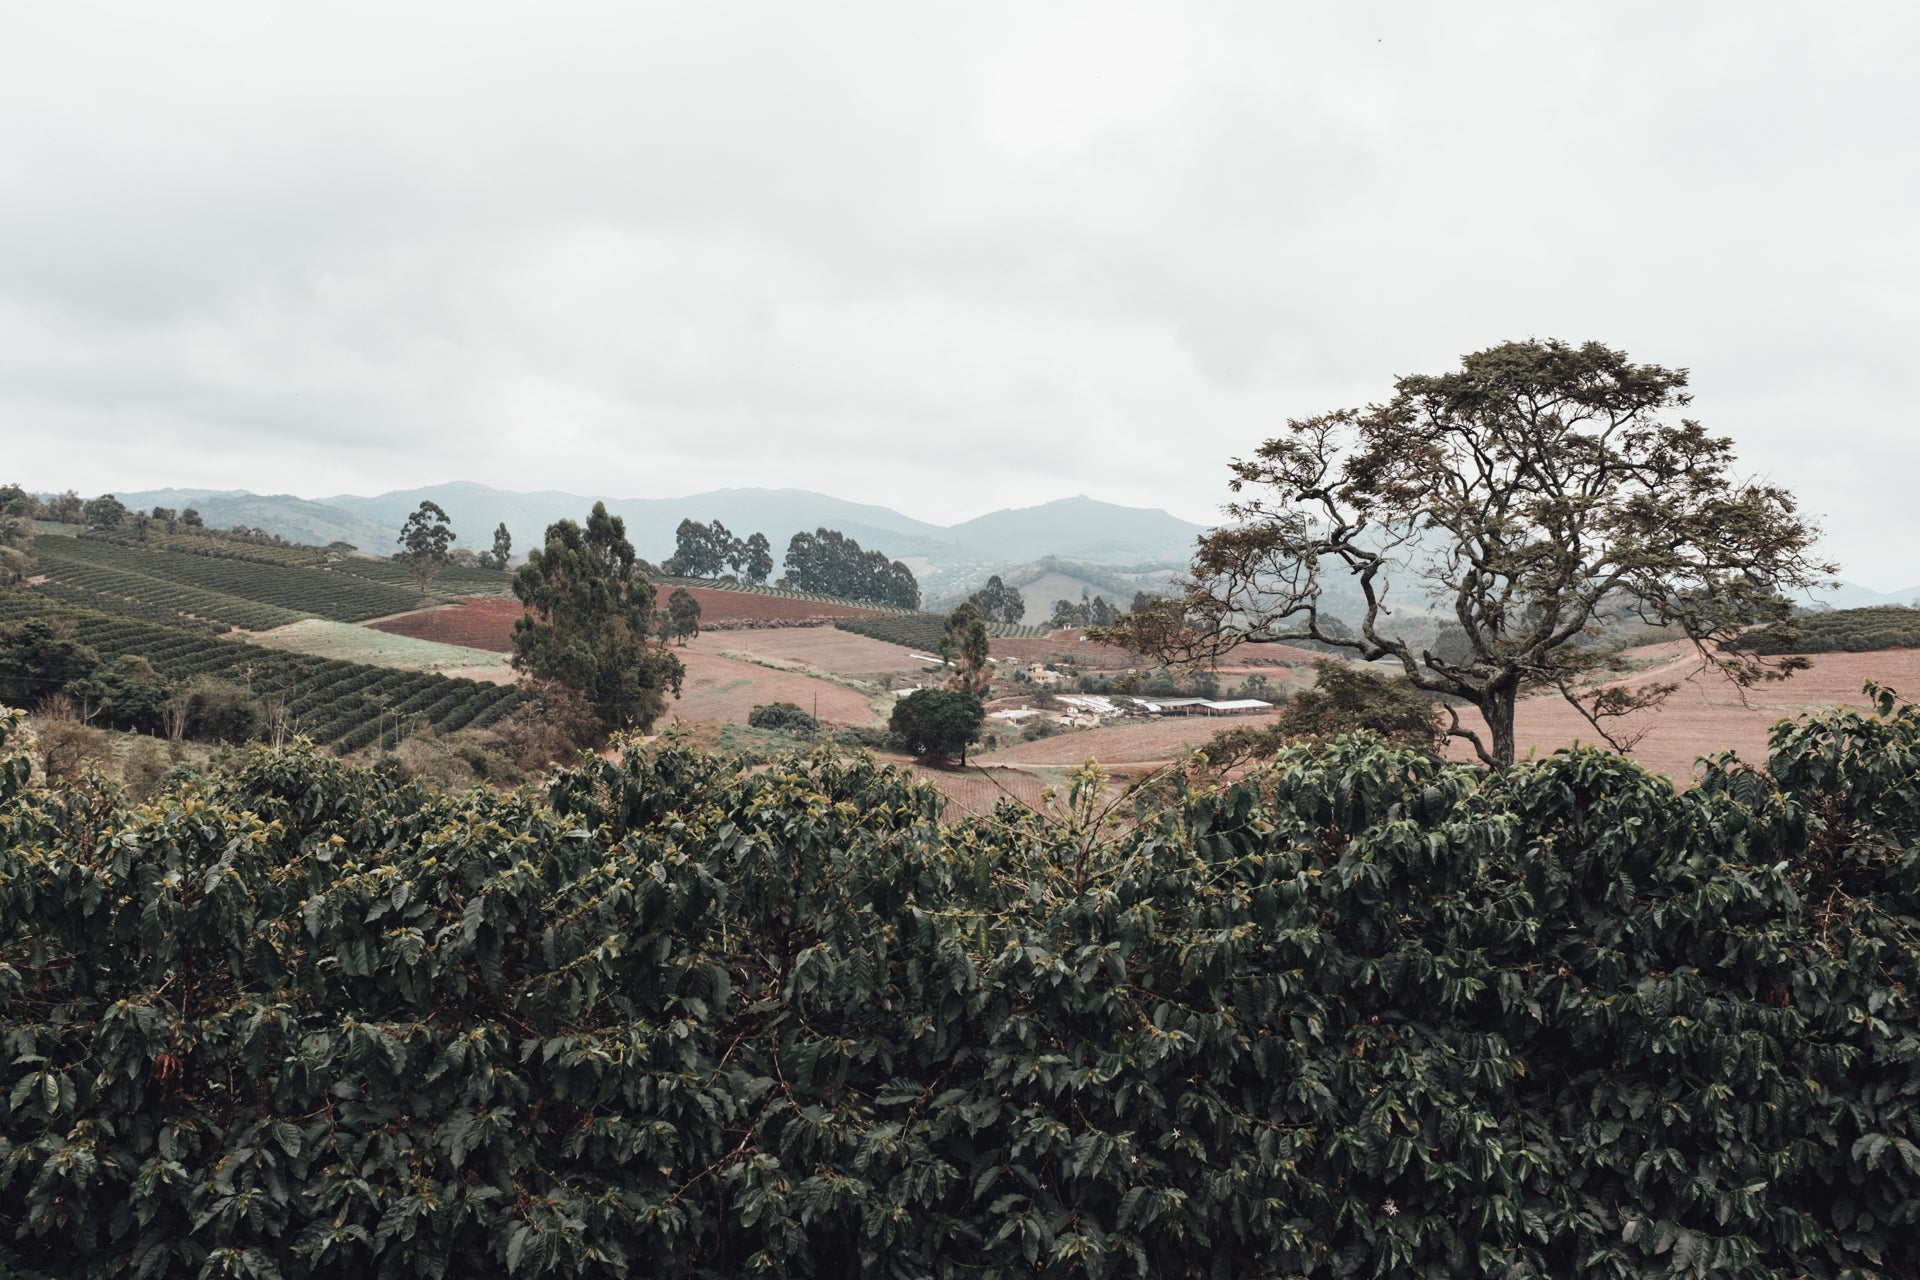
589	611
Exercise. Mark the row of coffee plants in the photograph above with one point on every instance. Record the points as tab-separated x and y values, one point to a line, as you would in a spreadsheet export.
344	705
922	631
1359	1014
120	606
224	544
667	582
135	592
161	577
1840	630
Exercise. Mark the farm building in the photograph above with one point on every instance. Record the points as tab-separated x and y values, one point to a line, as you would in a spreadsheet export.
1205	706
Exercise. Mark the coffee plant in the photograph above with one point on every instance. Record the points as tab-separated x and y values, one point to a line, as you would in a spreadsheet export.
1359	1014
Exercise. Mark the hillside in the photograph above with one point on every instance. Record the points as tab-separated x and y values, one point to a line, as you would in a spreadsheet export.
1077	528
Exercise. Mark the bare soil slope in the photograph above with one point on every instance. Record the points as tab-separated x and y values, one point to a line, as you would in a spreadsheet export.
1707	715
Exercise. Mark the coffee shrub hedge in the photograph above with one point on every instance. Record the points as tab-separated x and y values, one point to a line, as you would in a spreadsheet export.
1360	1014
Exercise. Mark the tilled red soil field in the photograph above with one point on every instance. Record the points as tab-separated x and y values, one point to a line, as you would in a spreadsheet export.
1071	644
1707	716
746	608
483	622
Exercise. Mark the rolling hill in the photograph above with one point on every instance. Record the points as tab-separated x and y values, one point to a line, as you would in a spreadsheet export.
1078	528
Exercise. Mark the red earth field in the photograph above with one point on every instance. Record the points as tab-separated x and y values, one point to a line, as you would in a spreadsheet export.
1707	716
486	622
482	622
823	648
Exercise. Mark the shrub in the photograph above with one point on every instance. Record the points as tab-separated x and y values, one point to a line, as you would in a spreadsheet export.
222	711
1363	1014
783	717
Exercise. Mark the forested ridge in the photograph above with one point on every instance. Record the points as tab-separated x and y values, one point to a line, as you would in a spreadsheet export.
1359	1014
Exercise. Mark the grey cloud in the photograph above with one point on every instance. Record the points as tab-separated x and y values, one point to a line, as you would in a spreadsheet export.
954	258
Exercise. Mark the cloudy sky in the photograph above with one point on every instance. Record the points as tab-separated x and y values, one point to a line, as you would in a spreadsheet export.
948	257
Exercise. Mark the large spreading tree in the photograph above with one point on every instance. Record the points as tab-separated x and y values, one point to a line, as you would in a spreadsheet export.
589	612
1534	497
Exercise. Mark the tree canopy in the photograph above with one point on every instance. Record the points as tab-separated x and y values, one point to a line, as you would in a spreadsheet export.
683	615
829	563
502	546
998	602
937	724
104	512
1531	497
590	612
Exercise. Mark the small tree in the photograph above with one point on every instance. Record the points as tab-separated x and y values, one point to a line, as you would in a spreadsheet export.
191	519
502	545
998	602
759	558
965	645
937	724
1534	494
683	615
783	717
104	512
425	539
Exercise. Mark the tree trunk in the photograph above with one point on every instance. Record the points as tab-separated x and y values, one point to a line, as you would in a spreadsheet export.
1498	708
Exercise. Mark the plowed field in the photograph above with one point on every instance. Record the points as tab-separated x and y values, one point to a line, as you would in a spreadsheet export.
479	622
1707	716
1071	644
486	622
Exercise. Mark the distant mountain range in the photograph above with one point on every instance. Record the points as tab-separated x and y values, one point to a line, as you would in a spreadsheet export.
1079	528
948	559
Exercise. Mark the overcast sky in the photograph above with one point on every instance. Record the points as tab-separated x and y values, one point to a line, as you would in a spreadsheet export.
948	257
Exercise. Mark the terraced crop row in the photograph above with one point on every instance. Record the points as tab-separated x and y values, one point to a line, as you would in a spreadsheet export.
157	577
215	544
103	602
132	591
344	705
454	580
924	631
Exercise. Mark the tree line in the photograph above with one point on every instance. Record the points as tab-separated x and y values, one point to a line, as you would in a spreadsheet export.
825	562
